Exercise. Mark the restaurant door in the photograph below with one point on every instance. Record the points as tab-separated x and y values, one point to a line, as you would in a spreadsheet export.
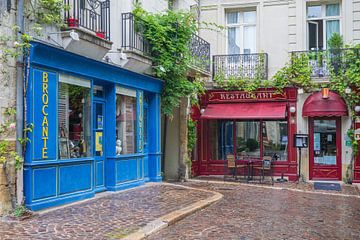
325	148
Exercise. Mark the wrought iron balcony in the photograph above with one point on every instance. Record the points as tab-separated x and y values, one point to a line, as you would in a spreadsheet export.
249	66
93	15
200	53
322	61
132	37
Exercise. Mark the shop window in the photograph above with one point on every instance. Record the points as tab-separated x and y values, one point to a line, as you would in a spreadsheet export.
275	139
74	118
241	32
325	142
322	22
125	121
247	139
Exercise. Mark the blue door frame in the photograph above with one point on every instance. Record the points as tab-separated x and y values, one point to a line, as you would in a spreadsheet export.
146	138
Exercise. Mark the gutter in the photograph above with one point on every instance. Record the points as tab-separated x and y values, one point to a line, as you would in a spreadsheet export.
19	99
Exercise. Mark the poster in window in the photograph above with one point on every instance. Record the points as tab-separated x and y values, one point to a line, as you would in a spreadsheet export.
317	144
64	148
98	142
100	121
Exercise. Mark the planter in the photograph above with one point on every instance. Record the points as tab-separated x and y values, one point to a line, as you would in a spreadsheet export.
73	22
100	34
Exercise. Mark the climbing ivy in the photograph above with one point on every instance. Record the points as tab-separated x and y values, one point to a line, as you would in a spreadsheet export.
169	35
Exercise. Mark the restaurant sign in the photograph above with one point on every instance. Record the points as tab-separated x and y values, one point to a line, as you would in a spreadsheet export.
240	96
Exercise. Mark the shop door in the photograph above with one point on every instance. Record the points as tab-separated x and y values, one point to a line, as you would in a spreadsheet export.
99	138
325	148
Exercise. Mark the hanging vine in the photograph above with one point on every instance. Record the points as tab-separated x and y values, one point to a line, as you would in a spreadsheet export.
169	35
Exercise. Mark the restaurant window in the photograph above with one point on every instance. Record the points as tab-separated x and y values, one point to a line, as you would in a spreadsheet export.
74	117
322	22
275	139
241	32
247	139
125	121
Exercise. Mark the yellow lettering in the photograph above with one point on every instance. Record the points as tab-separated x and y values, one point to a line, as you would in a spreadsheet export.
43	110
45	132
45	76
45	141
44	152
45	122
45	87
45	99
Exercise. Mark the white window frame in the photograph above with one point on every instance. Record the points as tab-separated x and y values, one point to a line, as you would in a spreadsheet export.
241	25
324	18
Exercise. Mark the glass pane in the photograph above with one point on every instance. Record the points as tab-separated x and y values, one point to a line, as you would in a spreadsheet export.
220	139
233	17
275	139
250	17
247	139
233	40
145	136
74	114
249	39
332	27
316	35
125	124
314	11
325	142
332	10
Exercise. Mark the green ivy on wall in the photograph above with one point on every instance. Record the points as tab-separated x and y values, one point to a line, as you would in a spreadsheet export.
169	35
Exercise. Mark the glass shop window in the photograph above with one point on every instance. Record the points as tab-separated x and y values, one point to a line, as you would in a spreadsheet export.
125	121
247	139
275	139
322	22
74	117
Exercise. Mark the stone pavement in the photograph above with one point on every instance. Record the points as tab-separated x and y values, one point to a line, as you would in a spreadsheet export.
113	216
253	212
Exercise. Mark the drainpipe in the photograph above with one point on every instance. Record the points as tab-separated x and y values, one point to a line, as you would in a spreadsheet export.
19	100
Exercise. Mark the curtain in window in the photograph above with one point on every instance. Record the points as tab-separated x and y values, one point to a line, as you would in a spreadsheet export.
233	17
233	40
332	10
332	26
249	39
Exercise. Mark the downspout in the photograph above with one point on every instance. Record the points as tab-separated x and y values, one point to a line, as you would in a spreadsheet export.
164	144
19	99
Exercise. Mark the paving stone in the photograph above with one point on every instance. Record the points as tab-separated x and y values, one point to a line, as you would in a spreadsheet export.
248	212
109	217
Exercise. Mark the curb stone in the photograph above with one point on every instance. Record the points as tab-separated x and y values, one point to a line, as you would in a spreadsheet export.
271	187
175	216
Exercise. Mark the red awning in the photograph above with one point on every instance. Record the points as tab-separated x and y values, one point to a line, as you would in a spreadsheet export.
256	110
316	106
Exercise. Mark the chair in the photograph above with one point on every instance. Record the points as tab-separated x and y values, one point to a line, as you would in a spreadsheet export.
231	165
266	166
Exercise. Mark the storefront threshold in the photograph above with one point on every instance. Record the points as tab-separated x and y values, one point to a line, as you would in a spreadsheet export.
126	185
156	179
35	206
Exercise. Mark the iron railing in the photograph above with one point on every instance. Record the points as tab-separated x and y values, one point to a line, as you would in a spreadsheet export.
249	66
322	62
132	37
93	15
200	53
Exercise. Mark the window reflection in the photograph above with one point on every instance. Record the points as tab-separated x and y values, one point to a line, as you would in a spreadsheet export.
275	139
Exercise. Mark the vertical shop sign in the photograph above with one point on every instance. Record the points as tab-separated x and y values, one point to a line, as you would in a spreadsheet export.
44	114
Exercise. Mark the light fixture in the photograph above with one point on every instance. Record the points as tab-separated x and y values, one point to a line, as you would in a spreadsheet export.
202	111
347	90
74	35
325	93
357	109
292	109
300	91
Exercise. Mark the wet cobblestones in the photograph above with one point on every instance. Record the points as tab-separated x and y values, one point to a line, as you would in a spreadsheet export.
109	217
248	212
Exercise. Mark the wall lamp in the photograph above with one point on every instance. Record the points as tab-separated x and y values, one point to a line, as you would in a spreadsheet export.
357	109
293	109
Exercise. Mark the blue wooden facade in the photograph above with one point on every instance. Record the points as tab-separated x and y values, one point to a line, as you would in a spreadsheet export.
50	180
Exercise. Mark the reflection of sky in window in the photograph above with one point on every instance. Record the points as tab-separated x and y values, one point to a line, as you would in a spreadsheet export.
250	17
314	12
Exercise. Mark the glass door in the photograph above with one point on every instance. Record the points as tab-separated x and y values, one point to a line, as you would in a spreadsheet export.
99	138
325	149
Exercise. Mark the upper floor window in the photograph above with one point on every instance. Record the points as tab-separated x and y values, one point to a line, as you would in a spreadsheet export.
322	22
241	32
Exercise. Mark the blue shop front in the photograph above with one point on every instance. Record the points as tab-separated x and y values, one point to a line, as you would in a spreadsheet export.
96	127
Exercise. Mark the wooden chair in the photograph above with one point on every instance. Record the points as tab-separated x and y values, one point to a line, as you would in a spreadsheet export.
231	165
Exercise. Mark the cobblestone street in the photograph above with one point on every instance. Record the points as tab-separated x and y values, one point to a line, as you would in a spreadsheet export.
248	212
110	217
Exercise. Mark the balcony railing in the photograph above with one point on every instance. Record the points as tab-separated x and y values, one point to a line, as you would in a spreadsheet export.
93	15
200	53
322	61
241	65
132	37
